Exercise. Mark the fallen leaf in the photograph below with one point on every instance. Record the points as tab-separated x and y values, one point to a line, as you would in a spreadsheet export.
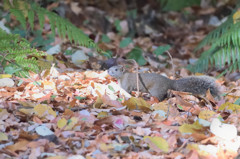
43	130
98	102
137	103
229	107
206	114
43	110
28	112
5	76
102	115
157	144
3	136
71	123
191	128
107	100
20	145
61	123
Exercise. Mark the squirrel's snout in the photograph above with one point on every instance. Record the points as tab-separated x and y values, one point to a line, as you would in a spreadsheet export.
110	72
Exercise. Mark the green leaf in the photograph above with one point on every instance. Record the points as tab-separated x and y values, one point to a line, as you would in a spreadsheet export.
117	25
37	83
111	88
136	54
176	5
19	16
69	52
80	98
20	82
31	18
237	101
105	38
180	107
11	70
41	17
125	42
107	54
161	49
120	99
132	13
53	96
61	25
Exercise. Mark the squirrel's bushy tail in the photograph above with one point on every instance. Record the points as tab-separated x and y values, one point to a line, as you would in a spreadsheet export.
197	85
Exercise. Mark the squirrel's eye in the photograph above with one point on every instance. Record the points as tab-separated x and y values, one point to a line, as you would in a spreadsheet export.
116	69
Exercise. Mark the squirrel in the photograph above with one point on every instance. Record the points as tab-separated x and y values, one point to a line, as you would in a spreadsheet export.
158	85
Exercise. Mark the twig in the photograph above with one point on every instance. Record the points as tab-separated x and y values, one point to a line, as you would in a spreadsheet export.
171	60
168	111
137	74
182	146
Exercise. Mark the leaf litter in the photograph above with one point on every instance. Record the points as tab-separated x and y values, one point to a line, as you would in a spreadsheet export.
87	117
72	114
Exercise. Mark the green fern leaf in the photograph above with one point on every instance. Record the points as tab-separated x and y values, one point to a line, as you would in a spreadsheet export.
62	26
19	16
31	18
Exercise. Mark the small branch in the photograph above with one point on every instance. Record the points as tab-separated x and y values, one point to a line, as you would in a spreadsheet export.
137	74
168	111
171	62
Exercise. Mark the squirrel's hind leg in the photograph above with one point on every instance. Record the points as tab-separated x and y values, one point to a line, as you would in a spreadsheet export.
160	94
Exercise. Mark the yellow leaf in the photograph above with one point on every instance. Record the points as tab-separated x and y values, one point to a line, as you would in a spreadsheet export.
161	106
229	107
27	104
46	73
157	143
98	102
50	58
44	64
206	114
28	112
191	128
192	147
3	137
61	123
71	123
102	115
236	16
105	148
137	103
43	110
198	74
5	76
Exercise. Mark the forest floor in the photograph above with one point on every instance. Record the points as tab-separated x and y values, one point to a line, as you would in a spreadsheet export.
75	109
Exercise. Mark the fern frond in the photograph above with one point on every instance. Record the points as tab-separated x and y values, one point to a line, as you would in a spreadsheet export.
15	53
224	51
63	27
19	16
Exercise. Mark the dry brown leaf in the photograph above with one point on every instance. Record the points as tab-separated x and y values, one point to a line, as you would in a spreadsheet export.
20	145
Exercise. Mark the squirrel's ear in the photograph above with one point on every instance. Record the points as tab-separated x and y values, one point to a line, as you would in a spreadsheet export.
122	69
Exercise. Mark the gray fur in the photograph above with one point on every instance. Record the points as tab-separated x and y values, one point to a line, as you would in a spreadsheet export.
158	85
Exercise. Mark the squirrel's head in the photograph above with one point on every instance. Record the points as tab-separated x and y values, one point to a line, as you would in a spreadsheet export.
116	71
